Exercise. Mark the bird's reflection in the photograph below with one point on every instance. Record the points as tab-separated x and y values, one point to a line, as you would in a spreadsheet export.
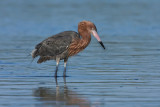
60	96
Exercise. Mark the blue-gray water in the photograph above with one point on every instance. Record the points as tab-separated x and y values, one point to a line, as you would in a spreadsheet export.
127	74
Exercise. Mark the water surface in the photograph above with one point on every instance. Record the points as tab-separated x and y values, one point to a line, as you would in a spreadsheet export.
126	74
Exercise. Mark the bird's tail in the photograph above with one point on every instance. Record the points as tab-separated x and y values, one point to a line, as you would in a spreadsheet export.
34	53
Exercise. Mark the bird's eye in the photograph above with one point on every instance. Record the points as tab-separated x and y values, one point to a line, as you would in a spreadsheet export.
82	24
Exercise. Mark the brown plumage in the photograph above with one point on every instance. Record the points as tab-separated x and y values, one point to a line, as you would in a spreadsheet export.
66	44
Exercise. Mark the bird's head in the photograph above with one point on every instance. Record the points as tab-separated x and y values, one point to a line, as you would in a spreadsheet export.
89	28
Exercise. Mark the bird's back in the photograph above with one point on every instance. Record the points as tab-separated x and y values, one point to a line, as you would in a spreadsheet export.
55	46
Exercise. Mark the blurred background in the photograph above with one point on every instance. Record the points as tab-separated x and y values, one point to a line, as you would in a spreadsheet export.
126	74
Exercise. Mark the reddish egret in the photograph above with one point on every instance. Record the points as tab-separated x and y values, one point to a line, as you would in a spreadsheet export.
65	44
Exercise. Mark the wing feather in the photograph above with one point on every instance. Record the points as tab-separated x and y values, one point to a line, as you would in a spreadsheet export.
54	45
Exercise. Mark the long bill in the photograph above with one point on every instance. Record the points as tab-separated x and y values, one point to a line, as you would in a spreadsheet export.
95	34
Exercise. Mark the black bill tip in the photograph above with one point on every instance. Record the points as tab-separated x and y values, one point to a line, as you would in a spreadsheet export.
102	44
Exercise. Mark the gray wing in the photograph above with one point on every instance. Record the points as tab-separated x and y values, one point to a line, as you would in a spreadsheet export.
55	45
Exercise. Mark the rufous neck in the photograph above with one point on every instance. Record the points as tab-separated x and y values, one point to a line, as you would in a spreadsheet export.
86	38
79	44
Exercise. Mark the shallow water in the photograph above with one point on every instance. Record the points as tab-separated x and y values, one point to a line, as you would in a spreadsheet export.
126	74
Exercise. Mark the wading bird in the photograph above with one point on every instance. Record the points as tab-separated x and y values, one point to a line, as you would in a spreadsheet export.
65	44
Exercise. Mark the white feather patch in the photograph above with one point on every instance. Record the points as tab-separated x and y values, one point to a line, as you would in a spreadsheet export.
33	51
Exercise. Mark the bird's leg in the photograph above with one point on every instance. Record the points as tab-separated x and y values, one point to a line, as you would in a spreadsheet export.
57	60
65	64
